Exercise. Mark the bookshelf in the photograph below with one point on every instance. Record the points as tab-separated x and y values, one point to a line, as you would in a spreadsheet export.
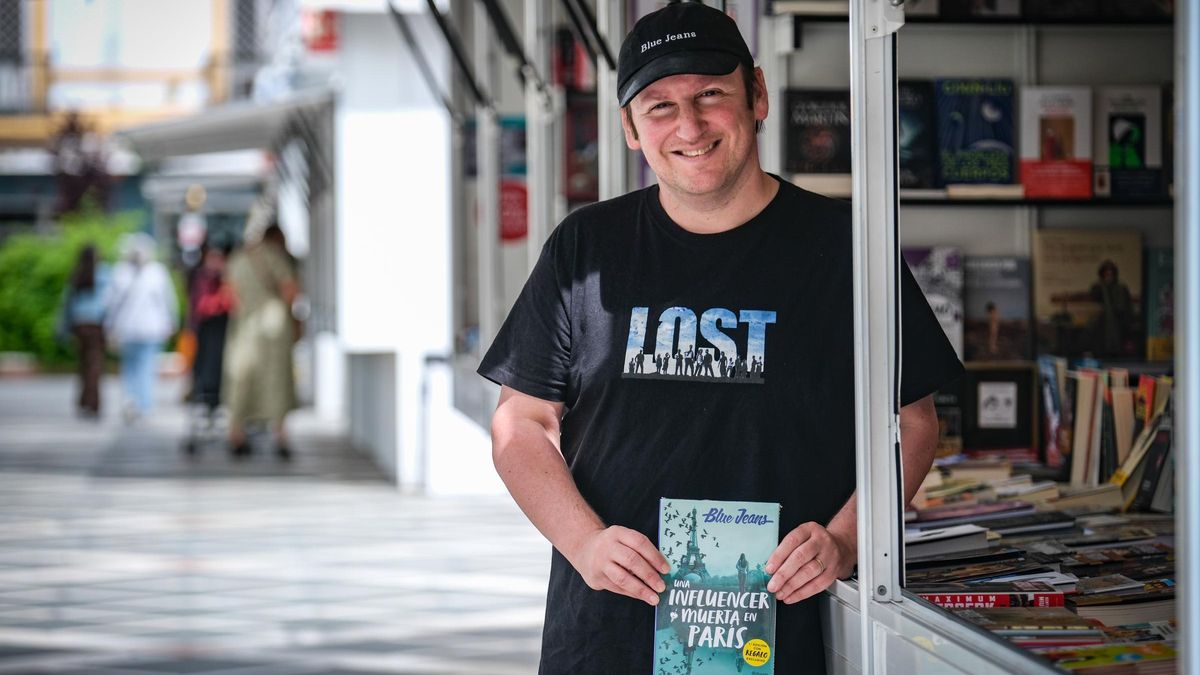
810	51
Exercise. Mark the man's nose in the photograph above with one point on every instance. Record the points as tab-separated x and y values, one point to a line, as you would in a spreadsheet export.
691	123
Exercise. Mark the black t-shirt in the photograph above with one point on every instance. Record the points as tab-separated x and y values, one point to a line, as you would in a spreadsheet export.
717	366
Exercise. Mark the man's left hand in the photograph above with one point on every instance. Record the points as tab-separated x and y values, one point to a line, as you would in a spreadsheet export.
807	561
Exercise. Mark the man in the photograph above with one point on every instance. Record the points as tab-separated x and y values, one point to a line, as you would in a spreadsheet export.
719	254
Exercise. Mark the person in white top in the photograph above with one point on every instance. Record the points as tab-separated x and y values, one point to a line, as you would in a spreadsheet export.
142	313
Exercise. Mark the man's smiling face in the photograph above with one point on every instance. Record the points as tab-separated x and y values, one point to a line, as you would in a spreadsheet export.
697	131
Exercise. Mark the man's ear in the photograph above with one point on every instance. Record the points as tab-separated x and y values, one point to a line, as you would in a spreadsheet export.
761	107
631	136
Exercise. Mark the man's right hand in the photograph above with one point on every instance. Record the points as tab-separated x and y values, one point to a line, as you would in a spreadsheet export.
623	561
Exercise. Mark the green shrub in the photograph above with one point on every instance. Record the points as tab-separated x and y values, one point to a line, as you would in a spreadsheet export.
34	270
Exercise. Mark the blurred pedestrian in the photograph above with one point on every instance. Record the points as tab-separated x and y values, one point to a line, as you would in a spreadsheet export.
142	312
209	302
258	382
83	317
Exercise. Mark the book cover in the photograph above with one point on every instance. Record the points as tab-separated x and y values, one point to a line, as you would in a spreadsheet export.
1129	142
1026	620
939	273
917	142
976	131
1056	142
1075	658
1160	304
1108	583
1087	286
1000	409
716	615
1012	594
817	139
997	314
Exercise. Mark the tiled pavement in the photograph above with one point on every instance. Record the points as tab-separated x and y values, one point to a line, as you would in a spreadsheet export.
120	555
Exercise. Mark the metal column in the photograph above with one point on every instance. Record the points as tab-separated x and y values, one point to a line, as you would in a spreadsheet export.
487	153
873	24
613	163
1187	332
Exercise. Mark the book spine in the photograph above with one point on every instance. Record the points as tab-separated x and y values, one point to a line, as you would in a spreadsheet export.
1154	466
985	600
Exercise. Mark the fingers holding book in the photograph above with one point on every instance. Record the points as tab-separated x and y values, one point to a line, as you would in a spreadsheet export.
623	561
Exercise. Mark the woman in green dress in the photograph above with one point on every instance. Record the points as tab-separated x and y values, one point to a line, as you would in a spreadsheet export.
258	383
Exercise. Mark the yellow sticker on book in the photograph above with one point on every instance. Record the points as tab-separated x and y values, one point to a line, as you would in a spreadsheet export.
756	652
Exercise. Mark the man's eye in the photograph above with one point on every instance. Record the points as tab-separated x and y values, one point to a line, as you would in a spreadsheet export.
661	106
710	92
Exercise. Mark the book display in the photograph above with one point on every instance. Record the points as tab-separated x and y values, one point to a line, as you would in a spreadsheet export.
1047	177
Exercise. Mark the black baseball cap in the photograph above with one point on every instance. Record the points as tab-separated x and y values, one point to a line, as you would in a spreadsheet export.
683	37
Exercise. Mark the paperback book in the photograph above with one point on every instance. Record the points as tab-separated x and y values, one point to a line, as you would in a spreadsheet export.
716	615
1160	304
976	131
939	273
1129	142
1087	289
997	309
1056	142
917	143
817	144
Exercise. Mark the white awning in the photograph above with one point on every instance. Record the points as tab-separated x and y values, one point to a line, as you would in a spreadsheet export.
236	126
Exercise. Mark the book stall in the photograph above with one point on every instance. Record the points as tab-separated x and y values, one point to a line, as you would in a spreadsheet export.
1044	237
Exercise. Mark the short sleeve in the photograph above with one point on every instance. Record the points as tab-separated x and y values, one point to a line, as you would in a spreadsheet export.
532	351
928	361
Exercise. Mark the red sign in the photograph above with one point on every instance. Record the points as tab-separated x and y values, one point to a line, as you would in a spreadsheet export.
319	29
514	210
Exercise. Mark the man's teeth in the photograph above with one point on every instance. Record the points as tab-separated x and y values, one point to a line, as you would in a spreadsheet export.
697	153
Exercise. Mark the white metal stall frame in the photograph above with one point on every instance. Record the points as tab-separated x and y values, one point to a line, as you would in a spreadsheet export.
1187	326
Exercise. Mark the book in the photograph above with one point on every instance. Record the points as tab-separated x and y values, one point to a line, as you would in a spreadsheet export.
1014	594
989	471
1160	304
976	131
1028	620
955	514
716	610
1154	600
917	141
1155	460
1108	583
1128	142
961	558
1056	142
1148	631
1052	412
1000	409
939	541
976	572
1087	286
1105	655
996	325
938	271
817	140
1103	497
1033	522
